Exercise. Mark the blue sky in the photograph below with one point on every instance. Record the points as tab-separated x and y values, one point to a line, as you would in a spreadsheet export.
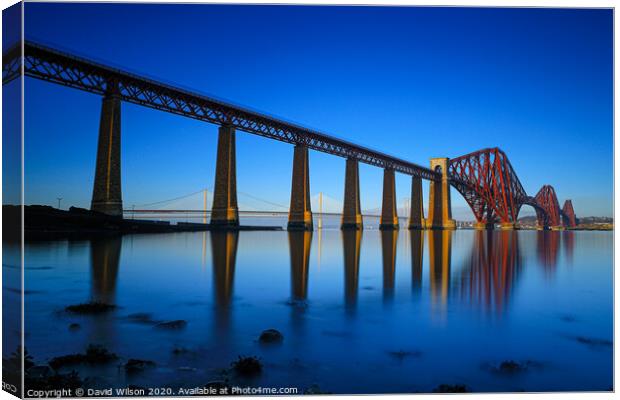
413	82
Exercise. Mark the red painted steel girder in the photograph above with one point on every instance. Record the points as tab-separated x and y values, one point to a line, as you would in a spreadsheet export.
568	215
548	201
541	213
489	184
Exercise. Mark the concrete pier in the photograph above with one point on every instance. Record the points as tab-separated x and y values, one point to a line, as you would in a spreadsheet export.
416	214
225	212
107	195
300	214
389	217
351	213
439	205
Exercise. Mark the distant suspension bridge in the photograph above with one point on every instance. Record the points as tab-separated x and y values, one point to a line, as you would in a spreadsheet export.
326	205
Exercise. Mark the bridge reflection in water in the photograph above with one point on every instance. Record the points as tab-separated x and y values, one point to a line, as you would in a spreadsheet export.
568	244
439	251
416	238
486	278
299	246
224	254
105	255
489	278
547	249
389	240
224	250
351	246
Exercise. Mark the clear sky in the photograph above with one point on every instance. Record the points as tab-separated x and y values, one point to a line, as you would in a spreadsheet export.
412	82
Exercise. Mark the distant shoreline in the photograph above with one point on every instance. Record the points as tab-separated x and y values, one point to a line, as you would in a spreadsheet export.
45	222
48	223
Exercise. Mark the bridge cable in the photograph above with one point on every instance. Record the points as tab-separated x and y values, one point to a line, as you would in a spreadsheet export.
171	200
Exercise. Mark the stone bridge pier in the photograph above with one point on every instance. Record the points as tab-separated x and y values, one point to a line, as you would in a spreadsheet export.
439	205
225	212
351	212
107	195
389	216
416	213
300	213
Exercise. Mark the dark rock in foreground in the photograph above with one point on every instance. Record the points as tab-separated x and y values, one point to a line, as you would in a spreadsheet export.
180	350
444	388
74	327
594	342
136	365
93	307
176	324
94	355
247	366
568	318
401	354
142	318
271	336
511	367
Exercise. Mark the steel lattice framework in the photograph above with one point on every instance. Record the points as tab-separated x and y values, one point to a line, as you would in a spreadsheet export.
492	189
489	184
568	215
547	199
54	66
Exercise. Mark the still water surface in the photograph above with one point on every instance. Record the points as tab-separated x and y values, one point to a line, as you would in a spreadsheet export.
361	312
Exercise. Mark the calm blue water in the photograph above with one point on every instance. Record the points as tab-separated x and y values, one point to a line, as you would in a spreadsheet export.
361	312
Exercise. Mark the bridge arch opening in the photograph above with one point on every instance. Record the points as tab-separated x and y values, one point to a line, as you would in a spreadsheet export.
542	219
479	211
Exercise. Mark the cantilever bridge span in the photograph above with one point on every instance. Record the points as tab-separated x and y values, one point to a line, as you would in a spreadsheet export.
485	178
492	189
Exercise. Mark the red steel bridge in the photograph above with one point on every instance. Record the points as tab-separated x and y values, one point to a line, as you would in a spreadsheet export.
485	178
491	187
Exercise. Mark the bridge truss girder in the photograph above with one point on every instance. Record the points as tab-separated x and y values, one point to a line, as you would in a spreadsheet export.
54	66
548	201
489	184
492	189
569	219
